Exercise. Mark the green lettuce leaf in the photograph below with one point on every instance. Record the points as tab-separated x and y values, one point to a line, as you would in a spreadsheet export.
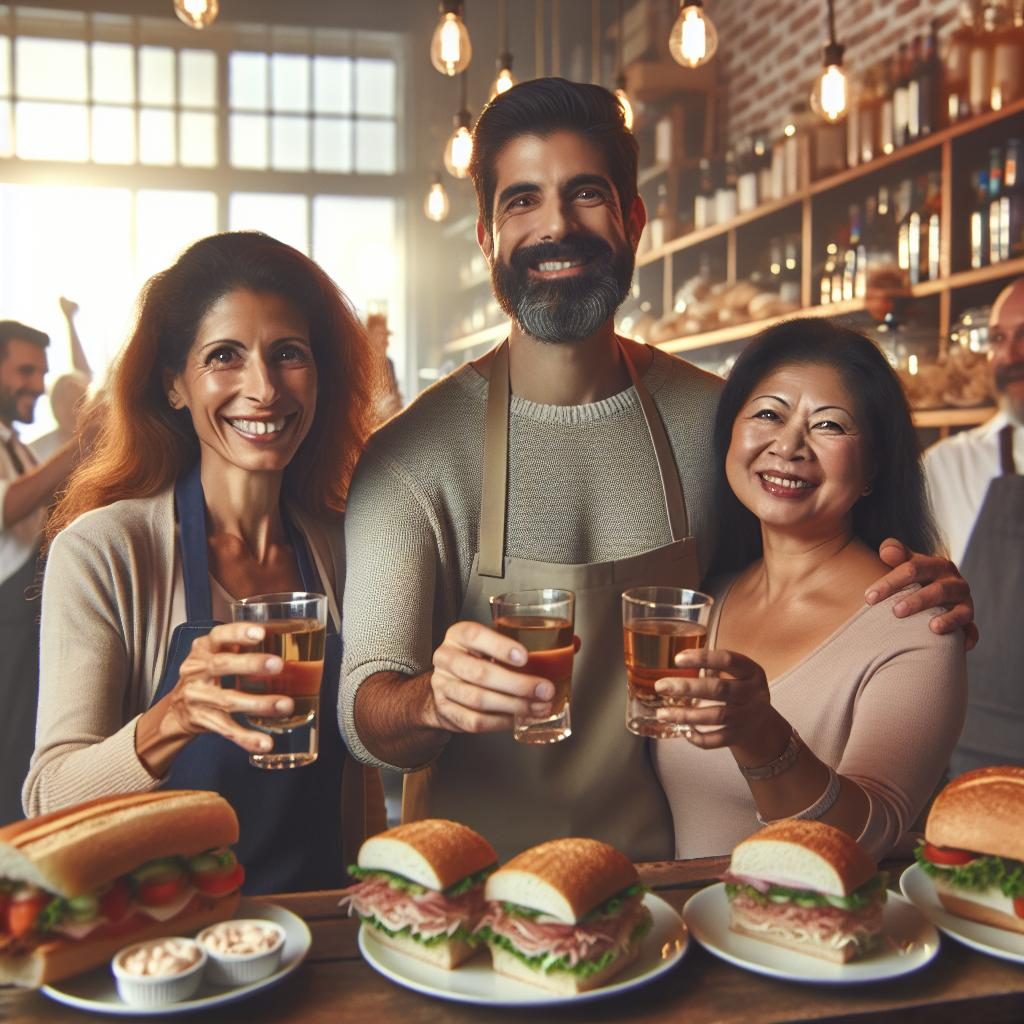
610	906
981	873
470	880
459	933
873	889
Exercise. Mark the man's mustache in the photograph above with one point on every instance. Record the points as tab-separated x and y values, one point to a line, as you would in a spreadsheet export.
1006	375
575	248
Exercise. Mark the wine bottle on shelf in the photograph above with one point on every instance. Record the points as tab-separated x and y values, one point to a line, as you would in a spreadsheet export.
1007	58
1011	204
957	63
746	177
850	254
789	287
828	269
725	195
869	103
928	82
995	187
660	226
865	257
704	202
914	77
979	84
763	165
909	233
932	242
978	220
886	126
901	97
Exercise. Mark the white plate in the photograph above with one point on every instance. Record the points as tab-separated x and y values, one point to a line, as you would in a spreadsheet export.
918	888
97	992
909	942
474	981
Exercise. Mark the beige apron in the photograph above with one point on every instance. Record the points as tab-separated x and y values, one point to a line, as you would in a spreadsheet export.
600	782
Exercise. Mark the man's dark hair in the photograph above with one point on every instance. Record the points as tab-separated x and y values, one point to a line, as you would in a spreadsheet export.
897	505
11	330
542	107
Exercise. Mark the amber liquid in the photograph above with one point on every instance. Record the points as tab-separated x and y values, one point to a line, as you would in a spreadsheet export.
300	644
651	648
549	644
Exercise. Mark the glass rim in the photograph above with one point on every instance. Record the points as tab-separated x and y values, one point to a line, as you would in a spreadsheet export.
283	597
545	595
643	597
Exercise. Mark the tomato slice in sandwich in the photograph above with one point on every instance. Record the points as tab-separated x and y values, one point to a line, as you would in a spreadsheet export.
947	856
1018	905
219	883
22	914
114	903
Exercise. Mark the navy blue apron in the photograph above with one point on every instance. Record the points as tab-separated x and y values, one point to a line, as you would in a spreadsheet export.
290	820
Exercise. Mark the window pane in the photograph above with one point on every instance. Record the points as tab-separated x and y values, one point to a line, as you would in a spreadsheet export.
290	144
113	135
332	85
167	222
248	74
291	82
156	75
375	147
52	131
5	66
375	87
113	73
198	83
156	137
5	128
248	140
198	139
51	69
283	216
332	145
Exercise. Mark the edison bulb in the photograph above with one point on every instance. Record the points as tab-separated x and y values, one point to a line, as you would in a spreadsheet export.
450	48
694	38
458	152
503	82
830	95
627	107
197	13
436	205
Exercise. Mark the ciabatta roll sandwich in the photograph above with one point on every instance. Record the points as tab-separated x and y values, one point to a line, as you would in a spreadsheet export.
974	846
806	886
78	884
566	915
421	889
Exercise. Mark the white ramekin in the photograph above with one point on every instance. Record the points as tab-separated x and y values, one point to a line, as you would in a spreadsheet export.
231	969
147	991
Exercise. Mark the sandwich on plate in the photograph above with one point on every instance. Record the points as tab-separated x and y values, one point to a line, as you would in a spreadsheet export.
974	846
78	884
566	915
421	889
806	886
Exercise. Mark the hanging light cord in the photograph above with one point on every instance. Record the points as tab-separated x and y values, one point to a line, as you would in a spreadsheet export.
831	24
619	40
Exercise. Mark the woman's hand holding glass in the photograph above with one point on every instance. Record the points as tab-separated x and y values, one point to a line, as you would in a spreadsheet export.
200	703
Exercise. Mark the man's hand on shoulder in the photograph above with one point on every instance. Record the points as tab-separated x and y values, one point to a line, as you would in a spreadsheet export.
942	586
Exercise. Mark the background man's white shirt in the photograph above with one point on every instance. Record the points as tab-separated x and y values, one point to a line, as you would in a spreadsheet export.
20	541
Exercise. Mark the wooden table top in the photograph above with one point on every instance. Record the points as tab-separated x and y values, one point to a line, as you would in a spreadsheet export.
334	984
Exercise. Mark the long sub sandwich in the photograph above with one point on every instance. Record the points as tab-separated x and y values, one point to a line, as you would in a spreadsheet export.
78	884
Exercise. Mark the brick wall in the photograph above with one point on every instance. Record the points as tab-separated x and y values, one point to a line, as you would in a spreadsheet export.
770	50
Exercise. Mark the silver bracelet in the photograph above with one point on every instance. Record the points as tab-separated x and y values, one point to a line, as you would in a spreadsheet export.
820	806
781	764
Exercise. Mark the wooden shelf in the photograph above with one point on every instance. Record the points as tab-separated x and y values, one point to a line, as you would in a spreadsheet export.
993	272
485	336
953	417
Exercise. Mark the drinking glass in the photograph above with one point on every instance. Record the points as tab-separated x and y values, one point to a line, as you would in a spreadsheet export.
295	626
542	621
657	624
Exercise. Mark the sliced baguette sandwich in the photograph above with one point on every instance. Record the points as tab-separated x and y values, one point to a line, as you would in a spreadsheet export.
78	884
566	915
974	846
421	889
806	886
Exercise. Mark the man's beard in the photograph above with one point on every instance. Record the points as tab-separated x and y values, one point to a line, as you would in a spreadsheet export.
568	308
1003	377
9	406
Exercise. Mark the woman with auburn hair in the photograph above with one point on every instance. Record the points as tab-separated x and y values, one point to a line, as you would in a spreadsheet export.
234	418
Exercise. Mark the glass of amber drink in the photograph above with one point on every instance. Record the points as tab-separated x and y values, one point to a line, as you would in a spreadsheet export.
657	624
542	621
295	626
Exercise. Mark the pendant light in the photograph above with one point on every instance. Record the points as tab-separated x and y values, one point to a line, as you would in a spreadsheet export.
459	150
450	48
436	205
620	80
505	79
694	39
197	13
830	95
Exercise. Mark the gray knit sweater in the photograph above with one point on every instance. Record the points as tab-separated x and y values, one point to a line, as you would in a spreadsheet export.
583	487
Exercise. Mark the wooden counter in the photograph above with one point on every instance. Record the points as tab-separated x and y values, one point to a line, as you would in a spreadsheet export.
335	985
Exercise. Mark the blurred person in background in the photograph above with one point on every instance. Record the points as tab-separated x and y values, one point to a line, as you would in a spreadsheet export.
234	418
67	390
390	400
27	486
976	483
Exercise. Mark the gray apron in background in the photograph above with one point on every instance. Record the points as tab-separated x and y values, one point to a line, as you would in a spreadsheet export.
600	782
994	567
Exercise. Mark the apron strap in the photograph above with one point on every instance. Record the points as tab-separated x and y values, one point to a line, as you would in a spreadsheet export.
494	497
195	564
1006	451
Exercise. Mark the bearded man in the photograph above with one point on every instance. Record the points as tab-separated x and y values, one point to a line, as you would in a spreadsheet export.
567	457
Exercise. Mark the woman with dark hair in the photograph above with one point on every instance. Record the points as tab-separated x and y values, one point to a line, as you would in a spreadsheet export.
834	710
233	421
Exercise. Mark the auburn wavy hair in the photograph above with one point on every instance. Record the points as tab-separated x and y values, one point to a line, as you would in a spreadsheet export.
143	445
